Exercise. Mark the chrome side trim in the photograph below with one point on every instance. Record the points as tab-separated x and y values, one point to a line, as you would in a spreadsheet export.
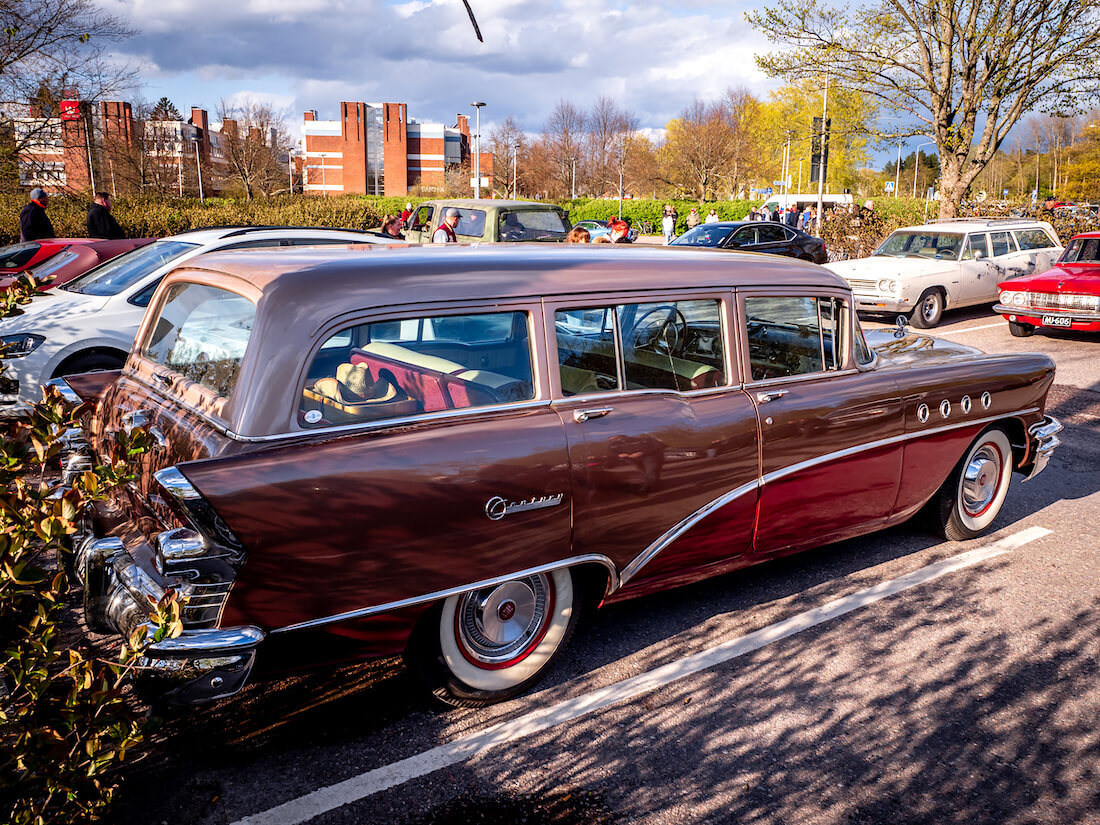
613	584
669	536
1044	441
176	483
654	549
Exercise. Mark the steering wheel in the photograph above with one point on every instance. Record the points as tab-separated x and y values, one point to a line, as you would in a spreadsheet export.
649	333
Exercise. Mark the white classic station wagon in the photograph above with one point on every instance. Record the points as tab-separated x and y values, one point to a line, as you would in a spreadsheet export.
920	271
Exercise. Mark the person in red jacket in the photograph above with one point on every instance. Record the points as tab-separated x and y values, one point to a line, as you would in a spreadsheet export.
446	231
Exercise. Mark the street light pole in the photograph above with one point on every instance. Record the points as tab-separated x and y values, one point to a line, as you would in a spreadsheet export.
515	152
477	154
897	172
574	160
198	166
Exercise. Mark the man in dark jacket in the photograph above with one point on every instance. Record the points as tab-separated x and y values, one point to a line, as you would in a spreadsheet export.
101	223
34	224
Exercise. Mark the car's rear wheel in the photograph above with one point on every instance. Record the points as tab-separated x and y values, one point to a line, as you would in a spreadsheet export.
490	644
973	494
929	310
1019	330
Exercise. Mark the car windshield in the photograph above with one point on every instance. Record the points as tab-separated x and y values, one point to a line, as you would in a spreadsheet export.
17	255
918	243
703	235
127	269
1082	251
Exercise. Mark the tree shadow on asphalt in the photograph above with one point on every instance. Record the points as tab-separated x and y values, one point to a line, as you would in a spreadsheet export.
998	729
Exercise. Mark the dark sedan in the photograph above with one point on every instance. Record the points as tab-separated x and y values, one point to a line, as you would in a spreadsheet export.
756	236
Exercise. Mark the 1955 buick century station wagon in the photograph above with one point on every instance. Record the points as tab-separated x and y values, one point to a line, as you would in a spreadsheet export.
450	452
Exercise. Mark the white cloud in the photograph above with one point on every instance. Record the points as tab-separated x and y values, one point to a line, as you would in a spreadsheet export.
652	58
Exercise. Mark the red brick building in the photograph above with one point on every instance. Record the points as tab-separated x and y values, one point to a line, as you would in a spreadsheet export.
376	149
82	146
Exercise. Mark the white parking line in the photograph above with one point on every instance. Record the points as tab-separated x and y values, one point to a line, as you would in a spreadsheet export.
366	784
968	329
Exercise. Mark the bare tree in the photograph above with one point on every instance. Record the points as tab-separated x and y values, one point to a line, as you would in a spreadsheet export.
563	135
698	149
610	133
253	138
51	50
503	141
967	70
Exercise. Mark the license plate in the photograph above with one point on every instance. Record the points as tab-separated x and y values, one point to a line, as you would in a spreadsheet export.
1056	321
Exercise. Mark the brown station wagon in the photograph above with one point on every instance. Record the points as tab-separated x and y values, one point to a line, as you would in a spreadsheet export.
449	452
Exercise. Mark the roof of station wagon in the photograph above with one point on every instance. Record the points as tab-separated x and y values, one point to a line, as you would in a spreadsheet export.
320	282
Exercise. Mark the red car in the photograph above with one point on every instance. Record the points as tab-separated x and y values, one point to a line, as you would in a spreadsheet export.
57	260
1066	296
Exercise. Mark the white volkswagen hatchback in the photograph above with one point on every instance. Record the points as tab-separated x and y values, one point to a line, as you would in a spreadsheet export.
922	270
89	323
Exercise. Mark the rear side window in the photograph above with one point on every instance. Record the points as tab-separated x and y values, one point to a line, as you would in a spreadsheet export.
389	369
795	335
1033	239
672	345
1002	243
977	247
471	223
201	334
532	225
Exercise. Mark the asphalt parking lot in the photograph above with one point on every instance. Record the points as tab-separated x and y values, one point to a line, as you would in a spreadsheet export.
894	678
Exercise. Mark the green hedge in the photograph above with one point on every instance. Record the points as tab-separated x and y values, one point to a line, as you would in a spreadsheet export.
159	217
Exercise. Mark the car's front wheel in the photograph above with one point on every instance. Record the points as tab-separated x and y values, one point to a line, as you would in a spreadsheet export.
490	644
973	494
1019	330
929	310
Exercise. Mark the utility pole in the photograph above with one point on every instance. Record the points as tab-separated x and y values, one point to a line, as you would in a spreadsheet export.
821	156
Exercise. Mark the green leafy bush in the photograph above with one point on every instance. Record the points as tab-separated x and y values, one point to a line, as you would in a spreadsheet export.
65	720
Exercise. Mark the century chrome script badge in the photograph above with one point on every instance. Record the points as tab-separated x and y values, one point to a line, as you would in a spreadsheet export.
497	508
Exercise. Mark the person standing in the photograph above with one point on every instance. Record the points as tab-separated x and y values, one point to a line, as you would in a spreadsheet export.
34	223
100	222
712	216
446	231
406	214
668	225
693	218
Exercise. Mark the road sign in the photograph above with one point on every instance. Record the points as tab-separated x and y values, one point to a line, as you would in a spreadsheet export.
889	186
1004	194
768	191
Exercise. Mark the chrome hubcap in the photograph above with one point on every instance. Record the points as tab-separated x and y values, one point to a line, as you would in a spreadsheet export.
930	305
981	479
498	623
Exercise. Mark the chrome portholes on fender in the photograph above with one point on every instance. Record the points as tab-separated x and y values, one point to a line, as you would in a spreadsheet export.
972	497
489	644
987	400
922	413
945	408
965	404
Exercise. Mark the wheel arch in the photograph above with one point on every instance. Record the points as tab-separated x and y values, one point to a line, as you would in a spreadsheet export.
105	351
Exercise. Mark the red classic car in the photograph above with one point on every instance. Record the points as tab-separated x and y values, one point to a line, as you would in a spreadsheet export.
1066	296
58	260
448	452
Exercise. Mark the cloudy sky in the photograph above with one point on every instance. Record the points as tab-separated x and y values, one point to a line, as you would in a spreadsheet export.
651	57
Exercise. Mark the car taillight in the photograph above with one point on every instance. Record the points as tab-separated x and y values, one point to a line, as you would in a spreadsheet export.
205	557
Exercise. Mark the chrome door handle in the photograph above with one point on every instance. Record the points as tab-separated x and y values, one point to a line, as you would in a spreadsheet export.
770	395
580	416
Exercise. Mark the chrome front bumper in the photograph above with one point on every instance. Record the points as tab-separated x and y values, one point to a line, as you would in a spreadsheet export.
1042	441
200	665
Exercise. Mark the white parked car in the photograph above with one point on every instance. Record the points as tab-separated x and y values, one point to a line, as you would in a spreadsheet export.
922	270
89	323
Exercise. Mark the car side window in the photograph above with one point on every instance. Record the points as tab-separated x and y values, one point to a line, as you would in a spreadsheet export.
471	223
794	335
422	217
771	233
976	248
393	368
744	236
262	243
1002	243
1033	239
675	345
